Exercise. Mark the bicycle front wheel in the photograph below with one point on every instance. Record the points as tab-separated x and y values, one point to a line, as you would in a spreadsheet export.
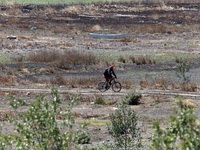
116	87
102	86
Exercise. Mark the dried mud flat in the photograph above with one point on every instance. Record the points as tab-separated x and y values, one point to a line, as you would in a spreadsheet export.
158	30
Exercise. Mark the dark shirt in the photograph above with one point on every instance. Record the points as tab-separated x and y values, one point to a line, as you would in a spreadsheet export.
108	72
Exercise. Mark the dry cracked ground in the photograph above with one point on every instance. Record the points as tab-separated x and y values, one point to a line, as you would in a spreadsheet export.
159	33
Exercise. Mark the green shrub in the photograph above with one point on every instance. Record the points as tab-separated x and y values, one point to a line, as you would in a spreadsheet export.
124	129
183	70
182	133
39	128
133	98
82	137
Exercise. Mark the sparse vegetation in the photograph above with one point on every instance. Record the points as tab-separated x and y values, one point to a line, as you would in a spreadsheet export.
76	1
180	132
183	70
60	60
99	100
189	87
142	60
52	47
58	80
132	98
124	129
121	59
39	127
162	83
7	80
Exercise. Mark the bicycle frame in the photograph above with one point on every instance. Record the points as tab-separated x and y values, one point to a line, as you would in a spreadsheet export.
112	81
114	84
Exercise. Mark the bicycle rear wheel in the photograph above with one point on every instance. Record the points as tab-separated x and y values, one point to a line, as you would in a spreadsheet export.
116	87
102	86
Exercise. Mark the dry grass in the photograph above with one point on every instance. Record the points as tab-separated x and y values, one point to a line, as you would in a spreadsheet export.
11	72
14	8
151	29
158	83
44	56
59	29
169	29
122	59
2	67
25	71
96	28
62	60
13	20
58	80
162	83
127	84
81	82
18	59
24	26
99	100
133	59
189	87
7	80
74	82
130	39
46	70
189	103
142	60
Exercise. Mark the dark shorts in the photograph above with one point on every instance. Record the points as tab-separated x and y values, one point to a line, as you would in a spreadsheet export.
107	78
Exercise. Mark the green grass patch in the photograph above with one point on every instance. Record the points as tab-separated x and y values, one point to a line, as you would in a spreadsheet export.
5	58
112	58
163	58
95	123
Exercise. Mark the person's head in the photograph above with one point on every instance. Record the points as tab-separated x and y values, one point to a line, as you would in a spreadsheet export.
111	67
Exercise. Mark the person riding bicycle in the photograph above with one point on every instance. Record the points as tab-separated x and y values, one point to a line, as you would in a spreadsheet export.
108	75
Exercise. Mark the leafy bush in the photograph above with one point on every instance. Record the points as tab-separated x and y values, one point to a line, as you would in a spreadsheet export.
183	70
182	133
133	98
124	129
38	128
82	137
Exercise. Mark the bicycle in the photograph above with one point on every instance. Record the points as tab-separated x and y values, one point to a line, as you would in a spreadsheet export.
116	86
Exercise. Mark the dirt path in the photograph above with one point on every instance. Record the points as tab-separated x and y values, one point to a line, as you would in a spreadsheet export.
124	92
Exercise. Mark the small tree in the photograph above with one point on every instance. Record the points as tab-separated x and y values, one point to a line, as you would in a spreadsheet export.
183	70
182	133
38	128
124	129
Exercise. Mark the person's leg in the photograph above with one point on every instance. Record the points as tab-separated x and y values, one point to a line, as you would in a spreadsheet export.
110	80
106	81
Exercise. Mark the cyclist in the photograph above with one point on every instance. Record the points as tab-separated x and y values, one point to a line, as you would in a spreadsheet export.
108	75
